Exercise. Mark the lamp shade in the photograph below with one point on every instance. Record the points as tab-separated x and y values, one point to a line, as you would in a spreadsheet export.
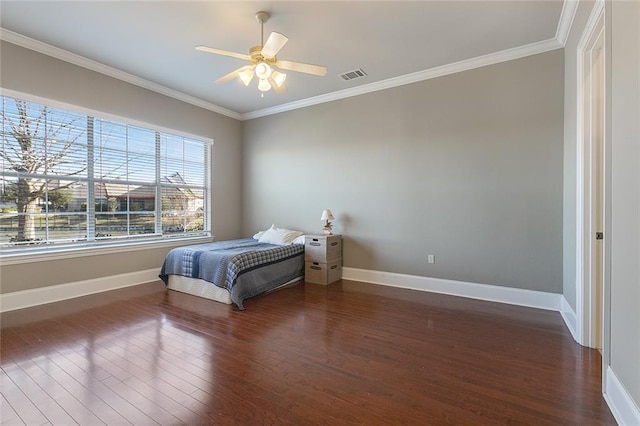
246	76
278	78
327	215
264	86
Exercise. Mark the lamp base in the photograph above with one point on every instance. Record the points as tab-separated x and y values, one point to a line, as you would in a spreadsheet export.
326	229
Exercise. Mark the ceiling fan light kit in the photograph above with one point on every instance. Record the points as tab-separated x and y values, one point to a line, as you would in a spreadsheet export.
263	71
264	62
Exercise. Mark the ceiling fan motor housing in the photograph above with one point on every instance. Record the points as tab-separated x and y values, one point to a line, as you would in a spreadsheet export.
262	17
256	56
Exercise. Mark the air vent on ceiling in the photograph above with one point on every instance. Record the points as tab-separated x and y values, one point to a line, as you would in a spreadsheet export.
353	74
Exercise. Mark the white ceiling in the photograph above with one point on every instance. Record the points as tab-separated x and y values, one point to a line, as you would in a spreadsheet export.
152	42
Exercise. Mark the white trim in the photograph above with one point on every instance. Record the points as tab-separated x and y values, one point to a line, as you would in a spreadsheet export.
622	406
493	293
468	64
55	52
580	200
56	293
583	180
568	13
51	253
569	317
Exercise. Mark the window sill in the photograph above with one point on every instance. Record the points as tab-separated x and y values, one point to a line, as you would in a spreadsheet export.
50	254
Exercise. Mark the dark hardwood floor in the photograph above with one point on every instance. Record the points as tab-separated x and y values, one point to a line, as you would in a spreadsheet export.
350	353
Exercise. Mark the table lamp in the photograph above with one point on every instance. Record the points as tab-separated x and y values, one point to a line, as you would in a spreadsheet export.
327	216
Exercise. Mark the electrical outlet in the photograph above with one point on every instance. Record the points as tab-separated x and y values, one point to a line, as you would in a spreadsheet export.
431	258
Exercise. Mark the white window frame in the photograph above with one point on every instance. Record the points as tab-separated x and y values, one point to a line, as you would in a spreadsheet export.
47	252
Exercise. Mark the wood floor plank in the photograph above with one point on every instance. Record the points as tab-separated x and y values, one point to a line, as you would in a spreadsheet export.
184	399
58	393
146	406
82	387
8	414
178	410
20	402
120	403
348	353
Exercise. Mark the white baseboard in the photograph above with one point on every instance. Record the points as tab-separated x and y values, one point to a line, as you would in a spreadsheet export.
493	293
55	293
514	296
569	317
622	406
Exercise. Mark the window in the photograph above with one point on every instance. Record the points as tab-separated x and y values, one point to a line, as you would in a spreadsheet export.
72	178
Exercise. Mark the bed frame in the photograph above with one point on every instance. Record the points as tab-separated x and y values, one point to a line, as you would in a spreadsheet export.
202	288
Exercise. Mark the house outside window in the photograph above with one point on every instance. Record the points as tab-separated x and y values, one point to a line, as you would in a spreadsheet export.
70	178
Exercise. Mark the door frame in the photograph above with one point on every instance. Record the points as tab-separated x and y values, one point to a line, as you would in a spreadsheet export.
586	295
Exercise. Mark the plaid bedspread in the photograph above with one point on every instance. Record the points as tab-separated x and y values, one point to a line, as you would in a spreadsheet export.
224	263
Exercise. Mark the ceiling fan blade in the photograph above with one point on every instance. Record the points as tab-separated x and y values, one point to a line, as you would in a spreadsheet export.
275	42
223	52
232	74
300	67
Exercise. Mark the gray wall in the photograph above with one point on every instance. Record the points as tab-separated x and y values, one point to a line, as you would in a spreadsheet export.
467	167
33	73
624	299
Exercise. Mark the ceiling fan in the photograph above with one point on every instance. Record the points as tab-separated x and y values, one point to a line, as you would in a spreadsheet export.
264	62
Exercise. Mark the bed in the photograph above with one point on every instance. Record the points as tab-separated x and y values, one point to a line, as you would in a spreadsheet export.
232	271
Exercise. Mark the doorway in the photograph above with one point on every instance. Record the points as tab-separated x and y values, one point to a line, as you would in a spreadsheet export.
591	181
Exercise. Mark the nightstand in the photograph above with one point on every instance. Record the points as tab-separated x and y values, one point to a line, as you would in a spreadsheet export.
322	259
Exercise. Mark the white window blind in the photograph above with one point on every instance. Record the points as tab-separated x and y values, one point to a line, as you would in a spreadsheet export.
71	178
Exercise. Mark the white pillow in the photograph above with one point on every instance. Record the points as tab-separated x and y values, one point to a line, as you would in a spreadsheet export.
260	233
281	237
298	240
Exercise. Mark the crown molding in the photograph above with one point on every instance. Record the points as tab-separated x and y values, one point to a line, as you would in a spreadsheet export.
64	55
568	13
477	62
